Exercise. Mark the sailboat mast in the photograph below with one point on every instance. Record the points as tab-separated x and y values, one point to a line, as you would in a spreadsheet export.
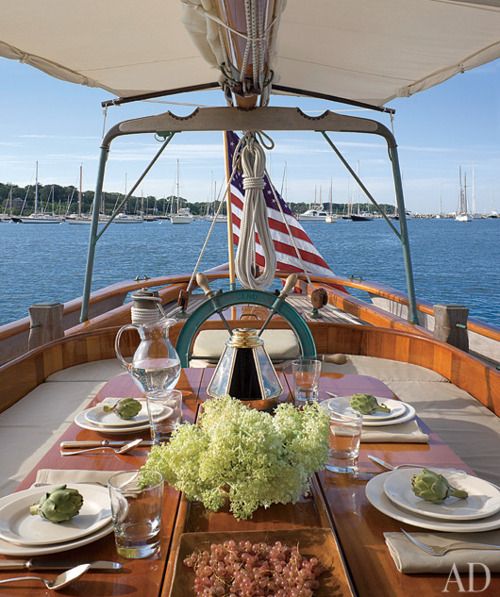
80	193
177	186
465	208
36	188
331	192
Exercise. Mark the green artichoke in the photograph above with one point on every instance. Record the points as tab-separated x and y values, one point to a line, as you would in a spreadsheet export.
126	408
433	487
59	505
366	404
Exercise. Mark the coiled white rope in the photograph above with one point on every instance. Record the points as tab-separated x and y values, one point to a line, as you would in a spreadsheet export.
253	162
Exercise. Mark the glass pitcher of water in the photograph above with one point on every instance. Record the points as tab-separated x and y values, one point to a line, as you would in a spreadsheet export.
155	365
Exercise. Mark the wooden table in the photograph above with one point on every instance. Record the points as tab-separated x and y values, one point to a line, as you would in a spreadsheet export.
362	563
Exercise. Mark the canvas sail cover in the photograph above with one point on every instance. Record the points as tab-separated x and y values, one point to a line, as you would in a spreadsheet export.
369	51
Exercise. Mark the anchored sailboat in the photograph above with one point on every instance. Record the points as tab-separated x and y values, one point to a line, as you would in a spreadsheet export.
462	214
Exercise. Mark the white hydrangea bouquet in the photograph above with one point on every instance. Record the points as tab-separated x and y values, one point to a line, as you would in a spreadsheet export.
243	455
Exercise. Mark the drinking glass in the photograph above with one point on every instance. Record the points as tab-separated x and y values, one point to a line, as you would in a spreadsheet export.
306	374
159	403
136	513
344	437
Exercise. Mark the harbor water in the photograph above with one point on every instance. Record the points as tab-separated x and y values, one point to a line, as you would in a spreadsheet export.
453	262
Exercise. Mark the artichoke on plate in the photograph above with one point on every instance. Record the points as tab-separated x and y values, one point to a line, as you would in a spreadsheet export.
433	487
126	408
366	404
59	505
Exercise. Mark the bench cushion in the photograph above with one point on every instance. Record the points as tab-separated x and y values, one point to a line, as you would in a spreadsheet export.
280	344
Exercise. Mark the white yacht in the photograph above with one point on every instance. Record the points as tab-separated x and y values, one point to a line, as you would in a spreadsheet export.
123	218
313	215
183	216
40	218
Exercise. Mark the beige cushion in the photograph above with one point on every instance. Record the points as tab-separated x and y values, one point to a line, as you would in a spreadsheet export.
468	427
279	344
383	369
31	426
95	371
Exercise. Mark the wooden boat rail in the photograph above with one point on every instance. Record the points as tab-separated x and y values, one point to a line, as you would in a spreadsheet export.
22	374
108	309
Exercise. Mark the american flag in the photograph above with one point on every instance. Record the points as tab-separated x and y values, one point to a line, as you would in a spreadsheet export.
286	254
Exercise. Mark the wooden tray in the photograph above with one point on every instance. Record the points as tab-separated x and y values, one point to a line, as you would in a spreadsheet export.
316	542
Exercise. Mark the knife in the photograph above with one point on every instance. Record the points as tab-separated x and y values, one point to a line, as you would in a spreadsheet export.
100	443
41	564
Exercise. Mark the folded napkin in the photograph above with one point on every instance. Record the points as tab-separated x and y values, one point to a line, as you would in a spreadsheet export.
47	476
404	433
409	559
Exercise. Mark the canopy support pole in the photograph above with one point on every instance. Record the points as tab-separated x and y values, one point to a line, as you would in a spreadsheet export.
402	233
94	235
84	314
404	238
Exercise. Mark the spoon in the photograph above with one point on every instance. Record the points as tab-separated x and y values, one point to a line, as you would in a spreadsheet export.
121	450
63	580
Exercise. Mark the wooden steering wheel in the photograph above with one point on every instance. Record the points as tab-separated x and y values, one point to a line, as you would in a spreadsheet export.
218	301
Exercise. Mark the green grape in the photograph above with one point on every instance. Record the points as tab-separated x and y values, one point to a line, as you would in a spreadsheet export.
249	457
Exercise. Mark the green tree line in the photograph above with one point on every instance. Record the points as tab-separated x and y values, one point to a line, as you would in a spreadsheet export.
60	200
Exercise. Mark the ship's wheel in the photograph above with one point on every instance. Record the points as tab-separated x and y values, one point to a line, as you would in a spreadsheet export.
217	302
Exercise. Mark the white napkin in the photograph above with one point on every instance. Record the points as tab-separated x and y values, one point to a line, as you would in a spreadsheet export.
409	559
47	476
404	433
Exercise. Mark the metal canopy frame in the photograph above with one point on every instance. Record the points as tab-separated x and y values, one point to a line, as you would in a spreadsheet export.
259	119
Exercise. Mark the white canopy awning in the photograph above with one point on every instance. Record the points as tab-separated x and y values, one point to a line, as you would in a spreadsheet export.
364	50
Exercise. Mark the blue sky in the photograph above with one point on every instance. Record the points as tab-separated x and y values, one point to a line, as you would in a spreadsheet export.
454	124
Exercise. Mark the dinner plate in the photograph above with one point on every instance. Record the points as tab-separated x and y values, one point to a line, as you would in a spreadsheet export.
376	496
405	412
483	499
97	416
82	422
18	526
398	408
408	415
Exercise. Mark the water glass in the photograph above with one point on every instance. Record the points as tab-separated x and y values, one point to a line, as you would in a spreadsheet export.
165	413
136	513
345	435
306	374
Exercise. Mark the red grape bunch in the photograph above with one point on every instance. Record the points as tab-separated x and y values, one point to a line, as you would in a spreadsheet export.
243	569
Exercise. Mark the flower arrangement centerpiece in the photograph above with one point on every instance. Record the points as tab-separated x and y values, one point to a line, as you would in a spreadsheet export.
248	457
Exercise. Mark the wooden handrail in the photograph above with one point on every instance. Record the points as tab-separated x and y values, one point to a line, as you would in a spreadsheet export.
474	325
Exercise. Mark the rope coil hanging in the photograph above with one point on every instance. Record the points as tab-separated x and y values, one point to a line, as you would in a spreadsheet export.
254	219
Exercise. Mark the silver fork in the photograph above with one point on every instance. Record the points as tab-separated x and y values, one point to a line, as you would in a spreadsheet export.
440	551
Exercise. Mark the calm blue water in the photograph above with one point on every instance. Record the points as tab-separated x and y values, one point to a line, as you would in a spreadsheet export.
453	262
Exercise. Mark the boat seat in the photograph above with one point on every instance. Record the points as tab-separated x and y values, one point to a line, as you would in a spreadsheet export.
468	427
463	423
281	345
93	371
31	426
383	369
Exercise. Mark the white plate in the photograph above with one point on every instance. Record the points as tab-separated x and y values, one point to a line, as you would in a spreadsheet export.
97	416
18	526
408	415
82	422
483	499
405	412
377	498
